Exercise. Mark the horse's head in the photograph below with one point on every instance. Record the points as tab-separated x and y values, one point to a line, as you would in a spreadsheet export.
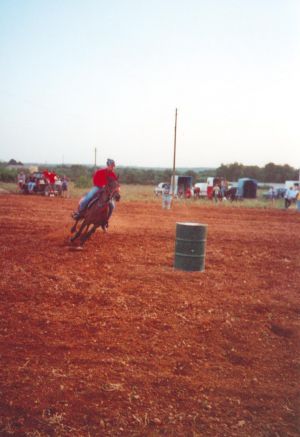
113	189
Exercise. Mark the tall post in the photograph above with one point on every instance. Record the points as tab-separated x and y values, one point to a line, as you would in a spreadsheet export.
174	155
95	157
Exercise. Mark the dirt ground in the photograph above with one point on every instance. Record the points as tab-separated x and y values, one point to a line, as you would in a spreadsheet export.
112	341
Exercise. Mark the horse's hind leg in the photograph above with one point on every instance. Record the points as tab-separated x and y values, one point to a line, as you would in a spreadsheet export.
87	235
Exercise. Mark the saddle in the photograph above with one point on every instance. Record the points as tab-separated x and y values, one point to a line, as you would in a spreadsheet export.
97	196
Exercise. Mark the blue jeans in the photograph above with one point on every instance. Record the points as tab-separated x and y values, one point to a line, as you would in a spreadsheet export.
84	202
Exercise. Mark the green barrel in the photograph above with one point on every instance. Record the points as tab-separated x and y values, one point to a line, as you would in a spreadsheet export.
190	247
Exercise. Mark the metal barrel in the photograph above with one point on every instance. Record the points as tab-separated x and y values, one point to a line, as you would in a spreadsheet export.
190	247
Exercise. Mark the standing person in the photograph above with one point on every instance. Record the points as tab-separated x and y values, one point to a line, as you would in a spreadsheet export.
272	194
31	184
52	178
223	189
64	186
58	185
166	197
188	193
298	200
100	180
21	180
289	197
216	193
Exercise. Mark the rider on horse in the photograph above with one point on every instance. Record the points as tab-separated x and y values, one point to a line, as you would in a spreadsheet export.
100	180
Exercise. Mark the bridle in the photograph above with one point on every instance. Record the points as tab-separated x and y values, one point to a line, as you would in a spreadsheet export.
112	189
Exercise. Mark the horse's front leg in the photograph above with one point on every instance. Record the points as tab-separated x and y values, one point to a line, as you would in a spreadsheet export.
74	227
104	223
78	233
87	234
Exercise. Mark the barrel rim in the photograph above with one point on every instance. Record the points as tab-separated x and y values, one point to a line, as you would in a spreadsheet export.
190	224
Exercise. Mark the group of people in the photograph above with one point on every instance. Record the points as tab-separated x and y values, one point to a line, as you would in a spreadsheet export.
219	191
39	182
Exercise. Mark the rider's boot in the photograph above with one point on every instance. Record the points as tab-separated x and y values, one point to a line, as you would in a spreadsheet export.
76	215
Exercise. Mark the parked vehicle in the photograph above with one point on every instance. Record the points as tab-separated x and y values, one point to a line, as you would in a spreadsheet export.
294	184
160	188
37	184
246	188
278	193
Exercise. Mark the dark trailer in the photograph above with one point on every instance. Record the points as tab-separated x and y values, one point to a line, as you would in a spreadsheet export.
183	186
246	188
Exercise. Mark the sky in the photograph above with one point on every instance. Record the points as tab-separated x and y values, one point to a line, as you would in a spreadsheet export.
80	75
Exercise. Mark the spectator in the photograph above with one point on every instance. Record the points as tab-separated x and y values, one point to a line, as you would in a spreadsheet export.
272	194
298	200
166	197
188	193
223	189
64	186
31	184
197	192
216	192
58	185
289	196
21	180
52	178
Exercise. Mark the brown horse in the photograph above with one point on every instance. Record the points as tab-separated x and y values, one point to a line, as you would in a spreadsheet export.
96	214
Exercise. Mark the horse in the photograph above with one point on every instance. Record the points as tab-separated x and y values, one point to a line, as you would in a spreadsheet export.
96	214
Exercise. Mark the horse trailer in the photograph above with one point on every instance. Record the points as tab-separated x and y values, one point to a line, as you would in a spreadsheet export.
246	188
183	186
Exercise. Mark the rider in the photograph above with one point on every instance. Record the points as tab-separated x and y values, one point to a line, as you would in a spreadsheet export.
100	180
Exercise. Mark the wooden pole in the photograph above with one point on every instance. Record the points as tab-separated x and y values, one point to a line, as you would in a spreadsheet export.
174	155
95	157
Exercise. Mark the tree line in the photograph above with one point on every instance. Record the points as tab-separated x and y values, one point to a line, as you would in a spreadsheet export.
82	175
269	173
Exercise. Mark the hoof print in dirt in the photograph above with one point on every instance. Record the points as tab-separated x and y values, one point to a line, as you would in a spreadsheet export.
281	331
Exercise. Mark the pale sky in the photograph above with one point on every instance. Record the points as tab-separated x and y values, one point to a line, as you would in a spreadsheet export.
76	75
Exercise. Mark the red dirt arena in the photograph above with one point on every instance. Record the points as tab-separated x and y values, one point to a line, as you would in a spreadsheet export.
112	341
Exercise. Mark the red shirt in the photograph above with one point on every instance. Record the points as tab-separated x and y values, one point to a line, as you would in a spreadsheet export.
100	178
51	177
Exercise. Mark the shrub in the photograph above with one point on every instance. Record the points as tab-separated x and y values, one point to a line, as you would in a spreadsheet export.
8	175
83	181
